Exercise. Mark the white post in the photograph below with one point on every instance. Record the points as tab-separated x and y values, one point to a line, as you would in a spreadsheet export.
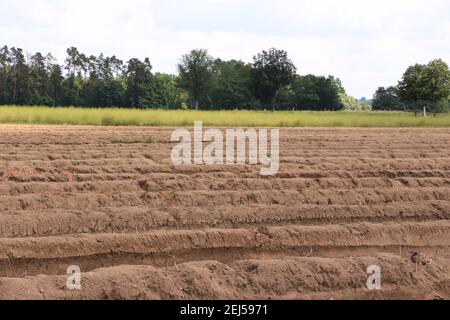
424	112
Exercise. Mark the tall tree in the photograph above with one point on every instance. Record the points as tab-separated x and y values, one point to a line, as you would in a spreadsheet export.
55	85
408	87
75	62
312	92
167	95
434	83
19	75
305	92
5	72
387	99
329	90
272	70
426	85
37	89
76	66
195	71
139	76
231	85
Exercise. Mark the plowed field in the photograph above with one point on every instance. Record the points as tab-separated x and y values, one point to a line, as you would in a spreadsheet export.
110	201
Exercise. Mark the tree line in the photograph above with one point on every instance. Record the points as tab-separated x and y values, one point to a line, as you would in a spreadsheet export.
422	86
83	81
202	82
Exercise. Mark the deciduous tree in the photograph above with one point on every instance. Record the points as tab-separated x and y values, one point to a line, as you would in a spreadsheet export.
272	70
387	99
195	71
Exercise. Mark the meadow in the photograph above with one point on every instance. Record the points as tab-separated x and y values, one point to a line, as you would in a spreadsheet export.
166	118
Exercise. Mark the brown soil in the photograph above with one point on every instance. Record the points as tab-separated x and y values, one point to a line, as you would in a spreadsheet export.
142	228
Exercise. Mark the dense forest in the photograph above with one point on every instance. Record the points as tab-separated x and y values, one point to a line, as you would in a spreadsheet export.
202	82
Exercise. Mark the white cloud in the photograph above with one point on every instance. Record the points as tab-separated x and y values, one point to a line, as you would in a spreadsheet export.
365	43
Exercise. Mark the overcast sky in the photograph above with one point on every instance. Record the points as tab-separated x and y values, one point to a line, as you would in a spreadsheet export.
367	43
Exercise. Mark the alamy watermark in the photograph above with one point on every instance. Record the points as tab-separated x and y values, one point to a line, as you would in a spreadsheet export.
74	280
374	280
231	149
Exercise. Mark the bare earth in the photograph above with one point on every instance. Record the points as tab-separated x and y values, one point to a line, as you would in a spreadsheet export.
141	228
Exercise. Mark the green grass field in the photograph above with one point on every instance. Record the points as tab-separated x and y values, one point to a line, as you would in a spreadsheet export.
132	117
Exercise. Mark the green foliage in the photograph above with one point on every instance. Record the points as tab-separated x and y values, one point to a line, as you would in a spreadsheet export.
311	92
442	105
426	86
183	106
231	86
387	99
272	70
306	93
139	91
271	81
167	95
196	72
84	81
351	104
